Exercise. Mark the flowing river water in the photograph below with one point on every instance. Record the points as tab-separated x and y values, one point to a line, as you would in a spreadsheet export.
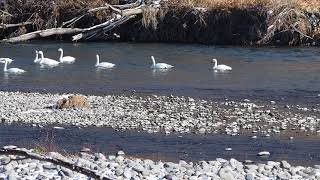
289	75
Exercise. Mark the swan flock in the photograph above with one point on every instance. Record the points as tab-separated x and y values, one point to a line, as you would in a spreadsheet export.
43	61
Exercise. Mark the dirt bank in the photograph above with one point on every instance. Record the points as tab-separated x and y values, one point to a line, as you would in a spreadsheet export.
98	20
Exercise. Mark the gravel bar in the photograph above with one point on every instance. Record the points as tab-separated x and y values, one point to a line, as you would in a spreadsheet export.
165	114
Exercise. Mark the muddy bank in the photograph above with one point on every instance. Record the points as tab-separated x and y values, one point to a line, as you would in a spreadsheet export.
187	25
152	21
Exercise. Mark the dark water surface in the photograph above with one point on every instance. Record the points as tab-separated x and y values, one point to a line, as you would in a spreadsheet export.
289	74
157	146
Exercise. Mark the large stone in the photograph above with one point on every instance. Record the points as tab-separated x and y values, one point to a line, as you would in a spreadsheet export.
285	164
4	160
75	101
225	174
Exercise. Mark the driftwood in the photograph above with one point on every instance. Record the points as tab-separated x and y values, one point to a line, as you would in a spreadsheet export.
119	15
42	33
55	160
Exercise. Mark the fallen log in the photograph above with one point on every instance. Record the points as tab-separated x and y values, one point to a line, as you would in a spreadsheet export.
42	33
103	28
57	161
123	13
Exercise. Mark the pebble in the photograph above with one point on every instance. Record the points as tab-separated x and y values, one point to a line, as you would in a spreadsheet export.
85	150
264	153
120	153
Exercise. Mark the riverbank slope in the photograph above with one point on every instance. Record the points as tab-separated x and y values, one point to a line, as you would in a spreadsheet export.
247	23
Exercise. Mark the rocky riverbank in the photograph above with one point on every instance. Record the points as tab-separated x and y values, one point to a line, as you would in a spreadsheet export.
165	114
121	166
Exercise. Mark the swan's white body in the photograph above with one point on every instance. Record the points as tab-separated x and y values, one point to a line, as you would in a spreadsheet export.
10	70
66	59
47	61
220	67
160	65
37	60
103	64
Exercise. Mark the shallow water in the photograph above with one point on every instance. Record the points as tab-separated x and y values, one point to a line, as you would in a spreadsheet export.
288	74
159	147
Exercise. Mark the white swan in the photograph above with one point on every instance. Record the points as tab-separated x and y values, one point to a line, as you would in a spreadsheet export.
65	59
3	60
220	67
47	61
160	65
10	70
103	64
37	60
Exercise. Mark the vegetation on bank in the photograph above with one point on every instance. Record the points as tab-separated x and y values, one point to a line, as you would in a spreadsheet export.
227	22
307	5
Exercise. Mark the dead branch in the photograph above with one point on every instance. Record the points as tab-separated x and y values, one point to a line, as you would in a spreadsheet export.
128	6
123	13
102	28
42	33
5	26
57	161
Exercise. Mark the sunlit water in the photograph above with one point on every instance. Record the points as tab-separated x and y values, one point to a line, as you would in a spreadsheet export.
291	74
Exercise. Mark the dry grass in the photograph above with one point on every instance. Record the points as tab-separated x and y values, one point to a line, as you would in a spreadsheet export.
307	5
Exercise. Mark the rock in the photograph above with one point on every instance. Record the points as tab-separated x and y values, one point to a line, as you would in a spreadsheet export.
225	174
120	153
202	131
119	159
249	176
236	164
58	128
49	166
119	172
264	153
85	150
285	164
74	101
12	176
99	157
3	176
4	160
9	147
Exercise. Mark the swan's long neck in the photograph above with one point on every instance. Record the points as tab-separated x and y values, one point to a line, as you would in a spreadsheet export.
153	61
97	60
37	56
61	55
42	57
5	66
215	62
